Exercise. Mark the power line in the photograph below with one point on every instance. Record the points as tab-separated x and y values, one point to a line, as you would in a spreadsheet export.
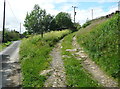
12	11
14	15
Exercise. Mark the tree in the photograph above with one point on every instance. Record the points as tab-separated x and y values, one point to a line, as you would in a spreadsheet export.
63	20
31	21
47	22
53	25
37	21
77	26
11	35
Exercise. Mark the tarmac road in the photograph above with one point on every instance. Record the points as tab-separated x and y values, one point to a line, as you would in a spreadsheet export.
9	66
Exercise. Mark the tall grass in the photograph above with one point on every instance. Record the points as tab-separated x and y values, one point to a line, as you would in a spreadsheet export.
34	56
101	43
76	75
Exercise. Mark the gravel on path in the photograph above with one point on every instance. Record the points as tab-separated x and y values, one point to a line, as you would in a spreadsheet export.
93	68
57	78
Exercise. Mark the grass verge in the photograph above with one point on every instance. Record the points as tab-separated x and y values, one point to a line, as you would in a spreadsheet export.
34	56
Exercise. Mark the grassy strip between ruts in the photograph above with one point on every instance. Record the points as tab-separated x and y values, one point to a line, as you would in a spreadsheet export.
34	56
76	75
101	43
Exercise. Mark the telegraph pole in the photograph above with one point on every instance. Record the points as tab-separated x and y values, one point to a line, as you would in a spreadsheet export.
74	12
3	23
92	14
20	28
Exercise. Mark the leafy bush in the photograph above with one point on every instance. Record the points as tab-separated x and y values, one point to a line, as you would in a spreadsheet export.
34	55
101	43
63	20
11	35
8	43
77	26
3	45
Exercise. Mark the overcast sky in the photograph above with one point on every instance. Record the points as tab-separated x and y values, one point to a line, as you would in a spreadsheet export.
16	9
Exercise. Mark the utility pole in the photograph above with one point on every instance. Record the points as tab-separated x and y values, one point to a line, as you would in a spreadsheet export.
74	12
92	14
3	33
20	28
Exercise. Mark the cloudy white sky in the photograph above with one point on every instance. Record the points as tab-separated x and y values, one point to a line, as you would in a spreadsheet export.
16	9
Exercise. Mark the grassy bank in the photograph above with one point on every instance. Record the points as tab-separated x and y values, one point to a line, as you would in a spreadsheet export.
34	56
101	43
75	74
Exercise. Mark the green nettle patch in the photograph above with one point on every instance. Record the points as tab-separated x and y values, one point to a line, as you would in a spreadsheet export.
3	45
34	56
101	43
76	75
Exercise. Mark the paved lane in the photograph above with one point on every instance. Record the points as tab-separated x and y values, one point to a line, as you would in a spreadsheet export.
9	65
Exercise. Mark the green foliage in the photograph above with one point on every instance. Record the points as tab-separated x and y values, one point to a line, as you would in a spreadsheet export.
48	20
3	45
53	25
76	75
37	21
63	20
11	35
77	26
86	24
8	43
34	56
25	34
101	43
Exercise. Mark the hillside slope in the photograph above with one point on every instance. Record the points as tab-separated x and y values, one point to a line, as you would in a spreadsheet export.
100	41
34	56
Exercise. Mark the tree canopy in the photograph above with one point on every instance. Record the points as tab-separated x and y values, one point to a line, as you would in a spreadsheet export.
38	21
10	35
63	20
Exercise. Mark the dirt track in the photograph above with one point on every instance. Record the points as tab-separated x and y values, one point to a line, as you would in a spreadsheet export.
57	78
93	68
